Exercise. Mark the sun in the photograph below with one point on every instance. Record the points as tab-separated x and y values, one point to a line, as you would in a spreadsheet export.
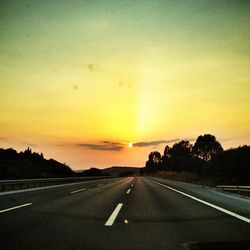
130	145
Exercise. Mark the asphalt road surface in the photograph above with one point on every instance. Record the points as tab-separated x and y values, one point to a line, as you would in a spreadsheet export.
124	213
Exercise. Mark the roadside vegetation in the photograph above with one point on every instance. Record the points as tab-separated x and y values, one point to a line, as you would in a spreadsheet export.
205	162
28	164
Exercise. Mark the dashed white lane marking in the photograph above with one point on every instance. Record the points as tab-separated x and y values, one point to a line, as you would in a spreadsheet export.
128	191
132	185
206	203
79	190
113	216
12	208
99	185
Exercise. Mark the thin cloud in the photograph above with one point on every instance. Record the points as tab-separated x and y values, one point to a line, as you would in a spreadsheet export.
112	143
153	143
117	146
103	146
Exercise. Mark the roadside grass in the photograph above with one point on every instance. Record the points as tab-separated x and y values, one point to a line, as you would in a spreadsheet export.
197	179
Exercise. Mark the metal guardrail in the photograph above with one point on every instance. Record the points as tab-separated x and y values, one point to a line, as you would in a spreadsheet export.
236	189
7	185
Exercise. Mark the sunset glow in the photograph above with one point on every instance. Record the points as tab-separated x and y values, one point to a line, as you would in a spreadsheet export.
80	80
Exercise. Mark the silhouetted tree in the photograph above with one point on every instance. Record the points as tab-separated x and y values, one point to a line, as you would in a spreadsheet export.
178	157
206	158
165	158
28	151
8	153
166	153
156	158
182	149
232	165
26	164
153	161
206	146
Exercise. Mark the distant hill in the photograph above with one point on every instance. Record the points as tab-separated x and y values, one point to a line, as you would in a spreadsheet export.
120	171
114	171
28	164
89	172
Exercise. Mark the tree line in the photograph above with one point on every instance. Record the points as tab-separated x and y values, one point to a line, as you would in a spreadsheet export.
28	164
205	158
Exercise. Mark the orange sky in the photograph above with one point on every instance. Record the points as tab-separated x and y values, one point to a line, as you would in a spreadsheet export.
80	80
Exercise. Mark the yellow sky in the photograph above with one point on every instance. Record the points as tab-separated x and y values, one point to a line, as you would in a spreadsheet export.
80	80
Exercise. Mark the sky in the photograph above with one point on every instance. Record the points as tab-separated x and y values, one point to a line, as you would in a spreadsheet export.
81	81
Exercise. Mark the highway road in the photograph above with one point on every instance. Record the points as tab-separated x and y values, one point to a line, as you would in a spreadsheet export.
124	213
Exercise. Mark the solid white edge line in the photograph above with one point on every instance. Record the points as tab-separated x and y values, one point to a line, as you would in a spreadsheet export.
240	217
76	191
113	216
42	188
128	191
12	208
